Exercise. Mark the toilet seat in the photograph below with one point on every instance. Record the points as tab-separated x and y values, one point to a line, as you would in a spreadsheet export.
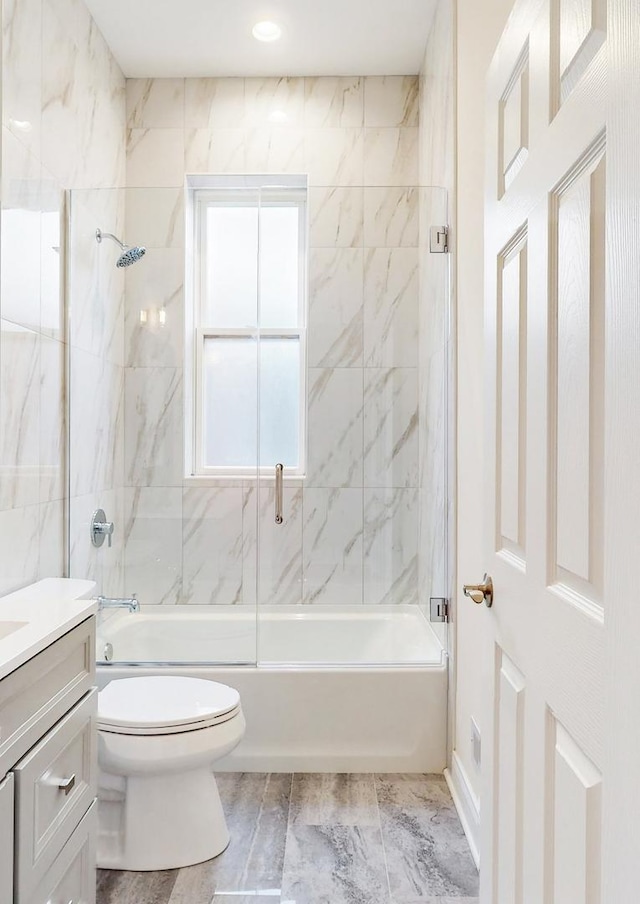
160	705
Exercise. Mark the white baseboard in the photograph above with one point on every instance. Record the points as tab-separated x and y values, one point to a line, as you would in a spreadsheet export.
467	804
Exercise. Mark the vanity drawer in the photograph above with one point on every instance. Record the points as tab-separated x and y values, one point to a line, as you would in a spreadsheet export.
72	878
6	839
55	785
36	695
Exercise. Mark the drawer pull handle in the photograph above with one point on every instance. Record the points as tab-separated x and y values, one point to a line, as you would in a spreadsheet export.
67	785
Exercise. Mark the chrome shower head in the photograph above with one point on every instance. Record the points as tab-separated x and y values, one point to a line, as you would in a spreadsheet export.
129	255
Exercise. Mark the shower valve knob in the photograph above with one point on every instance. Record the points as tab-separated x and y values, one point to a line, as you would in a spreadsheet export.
100	528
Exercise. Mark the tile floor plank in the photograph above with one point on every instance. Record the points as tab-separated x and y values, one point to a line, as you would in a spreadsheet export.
337	799
334	865
426	850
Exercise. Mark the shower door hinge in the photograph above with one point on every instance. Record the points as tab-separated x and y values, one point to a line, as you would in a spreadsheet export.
438	609
439	240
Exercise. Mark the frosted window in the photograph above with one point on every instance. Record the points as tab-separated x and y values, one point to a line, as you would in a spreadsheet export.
230	402
279	401
231	266
279	266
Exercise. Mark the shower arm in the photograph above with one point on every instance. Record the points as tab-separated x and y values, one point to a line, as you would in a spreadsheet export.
109	235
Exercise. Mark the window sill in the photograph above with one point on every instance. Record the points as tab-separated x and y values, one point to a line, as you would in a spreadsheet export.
204	480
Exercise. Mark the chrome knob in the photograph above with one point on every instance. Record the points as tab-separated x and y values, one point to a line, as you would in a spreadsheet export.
480	592
100	528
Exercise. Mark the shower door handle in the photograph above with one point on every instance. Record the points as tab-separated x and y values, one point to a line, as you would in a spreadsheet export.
279	470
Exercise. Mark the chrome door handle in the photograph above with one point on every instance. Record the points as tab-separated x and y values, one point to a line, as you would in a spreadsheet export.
480	592
279	471
67	785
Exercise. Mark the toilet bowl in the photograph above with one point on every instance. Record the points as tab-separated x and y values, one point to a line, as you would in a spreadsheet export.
158	802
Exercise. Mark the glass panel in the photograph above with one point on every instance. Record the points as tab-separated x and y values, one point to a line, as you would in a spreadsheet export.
279	402
279	266
230	407
187	549
347	576
231	266
230	404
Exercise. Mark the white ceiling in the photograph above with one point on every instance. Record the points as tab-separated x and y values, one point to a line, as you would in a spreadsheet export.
174	38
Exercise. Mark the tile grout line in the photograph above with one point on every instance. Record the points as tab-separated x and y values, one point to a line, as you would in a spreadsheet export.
286	835
384	850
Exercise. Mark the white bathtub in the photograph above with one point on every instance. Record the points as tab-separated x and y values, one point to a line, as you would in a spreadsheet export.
335	689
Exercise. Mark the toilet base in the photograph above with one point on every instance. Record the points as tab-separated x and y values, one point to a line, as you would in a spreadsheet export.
157	822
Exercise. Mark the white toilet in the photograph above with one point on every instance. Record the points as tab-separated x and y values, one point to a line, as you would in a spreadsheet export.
158	802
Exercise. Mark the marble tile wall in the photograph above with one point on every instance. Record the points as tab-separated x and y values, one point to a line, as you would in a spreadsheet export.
351	533
63	107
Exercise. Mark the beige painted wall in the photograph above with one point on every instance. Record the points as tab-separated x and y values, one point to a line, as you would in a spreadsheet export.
479	25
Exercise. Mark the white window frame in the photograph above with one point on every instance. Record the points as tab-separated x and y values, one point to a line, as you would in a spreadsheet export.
199	199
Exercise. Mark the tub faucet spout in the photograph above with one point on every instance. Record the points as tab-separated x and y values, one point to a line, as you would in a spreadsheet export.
107	602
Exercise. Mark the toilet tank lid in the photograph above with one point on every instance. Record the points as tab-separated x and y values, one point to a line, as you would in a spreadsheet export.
157	701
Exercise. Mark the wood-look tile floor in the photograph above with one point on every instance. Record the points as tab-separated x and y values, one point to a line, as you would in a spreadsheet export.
321	839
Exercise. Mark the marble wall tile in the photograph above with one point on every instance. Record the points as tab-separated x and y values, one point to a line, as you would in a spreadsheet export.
336	217
52	420
96	285
391	546
21	221
426	849
19	546
340	864
437	87
391	217
390	157
215	151
19	416
155	157
155	103
214	103
332	545
212	545
155	217
391	424
85	560
334	102
22	70
391	100
154	316
391	307
96	411
61	94
335	157
153	544
52	261
335	399
274	101
336	296
337	799
153	426
276	150
51	552
280	581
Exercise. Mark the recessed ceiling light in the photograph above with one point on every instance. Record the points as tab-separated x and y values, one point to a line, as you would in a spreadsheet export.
266	31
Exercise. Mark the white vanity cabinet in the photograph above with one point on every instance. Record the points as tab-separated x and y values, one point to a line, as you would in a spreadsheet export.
48	774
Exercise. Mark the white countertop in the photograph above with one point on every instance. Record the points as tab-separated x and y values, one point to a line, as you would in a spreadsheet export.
37	616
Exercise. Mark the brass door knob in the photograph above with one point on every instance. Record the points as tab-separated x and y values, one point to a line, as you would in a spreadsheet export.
480	592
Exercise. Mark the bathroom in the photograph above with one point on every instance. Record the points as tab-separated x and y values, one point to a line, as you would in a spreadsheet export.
282	500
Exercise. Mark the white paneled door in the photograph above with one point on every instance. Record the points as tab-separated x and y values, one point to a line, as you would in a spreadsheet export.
545	274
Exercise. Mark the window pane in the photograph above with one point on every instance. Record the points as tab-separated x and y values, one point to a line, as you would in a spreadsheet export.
279	402
230	409
279	266
231	266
